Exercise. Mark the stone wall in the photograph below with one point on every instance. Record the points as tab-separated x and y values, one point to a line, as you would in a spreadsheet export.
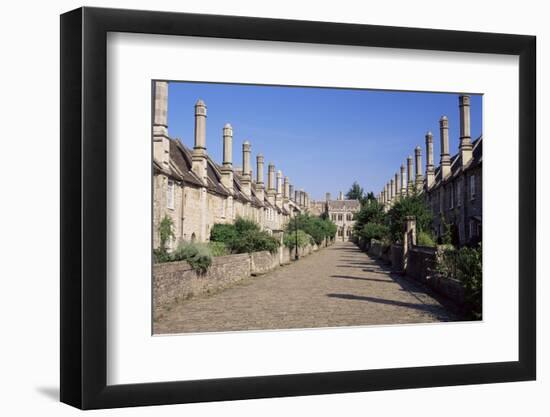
262	262
421	267
421	262
175	281
396	257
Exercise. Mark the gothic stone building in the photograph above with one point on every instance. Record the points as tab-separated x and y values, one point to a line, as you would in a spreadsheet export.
195	192
453	190
341	212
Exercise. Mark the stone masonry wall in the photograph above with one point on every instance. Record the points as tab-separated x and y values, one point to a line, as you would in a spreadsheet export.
175	281
262	262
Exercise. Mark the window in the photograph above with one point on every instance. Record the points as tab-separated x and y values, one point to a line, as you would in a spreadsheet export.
440	200
349	217
472	229
459	193
333	216
340	232
339	217
170	195
452	196
472	187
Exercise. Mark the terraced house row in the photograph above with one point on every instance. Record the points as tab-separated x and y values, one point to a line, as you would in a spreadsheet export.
453	189
195	192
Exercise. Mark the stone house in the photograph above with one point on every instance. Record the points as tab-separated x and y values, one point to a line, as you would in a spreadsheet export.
195	192
453	190
341	212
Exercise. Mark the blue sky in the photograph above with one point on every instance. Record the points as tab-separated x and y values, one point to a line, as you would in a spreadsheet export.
323	139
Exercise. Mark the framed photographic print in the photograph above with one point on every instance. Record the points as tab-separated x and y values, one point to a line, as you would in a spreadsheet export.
257	208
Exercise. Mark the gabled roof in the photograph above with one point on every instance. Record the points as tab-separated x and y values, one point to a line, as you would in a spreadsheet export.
456	166
344	205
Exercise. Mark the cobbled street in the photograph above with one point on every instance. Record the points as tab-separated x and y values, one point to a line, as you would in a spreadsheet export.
336	286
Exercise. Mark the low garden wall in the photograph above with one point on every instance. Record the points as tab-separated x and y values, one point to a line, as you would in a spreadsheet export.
420	266
176	281
396	257
262	262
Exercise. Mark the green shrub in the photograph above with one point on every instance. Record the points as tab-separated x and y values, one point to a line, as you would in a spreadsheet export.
317	227
165	231
218	248
374	231
198	255
414	205
253	241
161	256
223	233
425	239
465	265
303	239
244	236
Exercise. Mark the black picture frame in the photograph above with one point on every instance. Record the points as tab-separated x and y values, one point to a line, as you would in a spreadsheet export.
84	207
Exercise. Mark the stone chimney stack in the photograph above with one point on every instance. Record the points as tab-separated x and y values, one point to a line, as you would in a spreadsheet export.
286	190
341	196
161	143
419	180
297	197
327	196
397	185
403	181
410	183
465	138
279	191
271	183
445	157
198	156
227	166
245	177
430	170
392	190
291	192
260	177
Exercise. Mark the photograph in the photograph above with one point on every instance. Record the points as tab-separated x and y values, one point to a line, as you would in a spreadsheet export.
296	207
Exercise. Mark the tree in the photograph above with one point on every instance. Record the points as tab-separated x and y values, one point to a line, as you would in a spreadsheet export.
355	192
165	232
413	205
317	227
371	212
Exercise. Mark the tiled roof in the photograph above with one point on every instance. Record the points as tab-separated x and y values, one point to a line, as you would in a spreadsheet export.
456	166
344	205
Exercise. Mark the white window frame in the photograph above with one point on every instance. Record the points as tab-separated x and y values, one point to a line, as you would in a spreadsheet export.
170	194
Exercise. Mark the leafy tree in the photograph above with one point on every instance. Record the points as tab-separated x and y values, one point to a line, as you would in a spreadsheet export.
166	232
370	197
355	192
317	227
371	212
303	239
374	231
413	205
